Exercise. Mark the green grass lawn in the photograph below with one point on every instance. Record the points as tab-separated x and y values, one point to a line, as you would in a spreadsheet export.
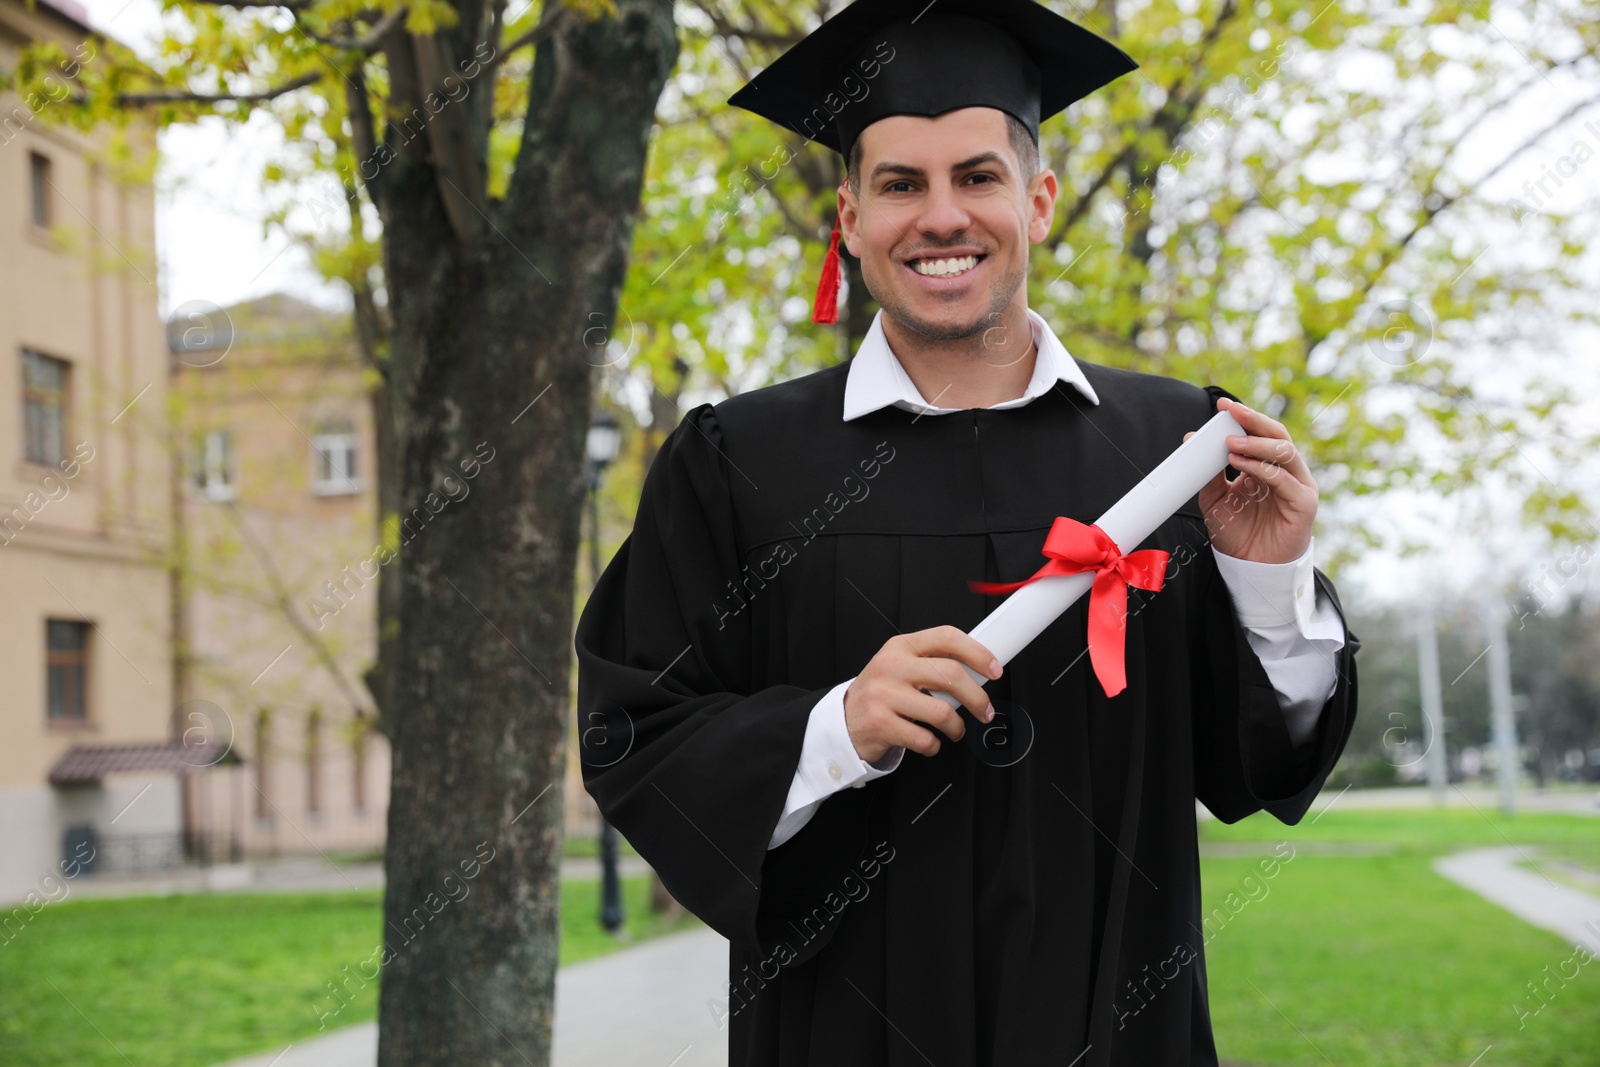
194	980
580	848
1376	961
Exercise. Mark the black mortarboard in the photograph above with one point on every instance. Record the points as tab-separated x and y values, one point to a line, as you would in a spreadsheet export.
878	58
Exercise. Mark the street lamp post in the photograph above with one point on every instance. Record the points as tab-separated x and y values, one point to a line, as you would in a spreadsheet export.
603	443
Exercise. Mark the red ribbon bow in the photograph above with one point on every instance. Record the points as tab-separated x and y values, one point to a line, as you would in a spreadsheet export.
1073	548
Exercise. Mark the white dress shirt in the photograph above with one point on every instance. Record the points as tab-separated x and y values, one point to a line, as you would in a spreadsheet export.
1292	626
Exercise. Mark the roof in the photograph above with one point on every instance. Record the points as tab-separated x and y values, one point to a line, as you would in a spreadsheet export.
82	764
275	319
70	10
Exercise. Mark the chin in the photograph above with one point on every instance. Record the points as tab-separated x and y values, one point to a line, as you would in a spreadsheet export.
938	321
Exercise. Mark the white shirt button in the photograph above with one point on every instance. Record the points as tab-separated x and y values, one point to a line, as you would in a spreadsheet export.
833	770
858	785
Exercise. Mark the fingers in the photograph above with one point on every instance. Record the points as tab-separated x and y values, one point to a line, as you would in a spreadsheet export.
893	693
1270	477
1268	452
1212	492
945	675
904	733
936	713
905	682
887	709
1267	442
953	642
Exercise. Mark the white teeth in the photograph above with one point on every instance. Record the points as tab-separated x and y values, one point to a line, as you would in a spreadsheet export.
943	268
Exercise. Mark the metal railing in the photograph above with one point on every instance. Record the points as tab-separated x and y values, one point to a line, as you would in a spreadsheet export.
100	853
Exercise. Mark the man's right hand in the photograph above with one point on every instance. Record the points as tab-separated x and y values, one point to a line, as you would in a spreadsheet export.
891	695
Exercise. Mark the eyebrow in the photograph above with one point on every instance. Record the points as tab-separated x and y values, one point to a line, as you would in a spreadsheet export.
990	158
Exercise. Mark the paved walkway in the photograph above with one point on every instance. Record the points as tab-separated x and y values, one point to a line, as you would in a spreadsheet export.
1567	800
293	874
1493	874
661	988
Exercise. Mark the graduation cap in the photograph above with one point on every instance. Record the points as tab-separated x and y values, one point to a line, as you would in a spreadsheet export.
878	58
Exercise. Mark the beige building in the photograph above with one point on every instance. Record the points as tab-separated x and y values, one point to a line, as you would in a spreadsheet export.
85	481
186	512
282	558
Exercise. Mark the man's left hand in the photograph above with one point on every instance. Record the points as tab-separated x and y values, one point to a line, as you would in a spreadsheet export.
1264	515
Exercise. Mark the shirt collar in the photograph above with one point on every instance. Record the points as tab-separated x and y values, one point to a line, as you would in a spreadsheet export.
876	379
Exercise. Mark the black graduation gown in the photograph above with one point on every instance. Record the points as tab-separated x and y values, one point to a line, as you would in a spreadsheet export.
1022	896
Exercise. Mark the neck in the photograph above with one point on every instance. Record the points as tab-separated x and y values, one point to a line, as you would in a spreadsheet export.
986	368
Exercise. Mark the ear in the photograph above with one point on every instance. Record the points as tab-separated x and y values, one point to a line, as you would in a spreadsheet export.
849	221
1042	193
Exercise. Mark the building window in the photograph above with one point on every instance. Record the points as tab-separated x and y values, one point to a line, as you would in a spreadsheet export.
44	407
40	186
67	667
314	762
263	743
214	465
333	464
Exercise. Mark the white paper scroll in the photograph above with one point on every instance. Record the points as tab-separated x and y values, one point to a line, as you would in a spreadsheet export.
1026	613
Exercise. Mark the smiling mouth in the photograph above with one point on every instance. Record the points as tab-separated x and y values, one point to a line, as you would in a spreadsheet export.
945	268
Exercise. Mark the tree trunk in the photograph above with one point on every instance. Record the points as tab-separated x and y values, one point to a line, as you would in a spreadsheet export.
372	338
492	487
379	677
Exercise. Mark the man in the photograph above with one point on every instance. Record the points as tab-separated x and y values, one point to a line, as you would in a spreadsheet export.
757	659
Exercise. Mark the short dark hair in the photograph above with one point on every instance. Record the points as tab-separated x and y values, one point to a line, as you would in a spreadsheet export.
1022	144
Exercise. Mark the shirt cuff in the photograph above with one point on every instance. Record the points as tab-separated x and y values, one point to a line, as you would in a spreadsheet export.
1269	595
1295	632
828	763
828	758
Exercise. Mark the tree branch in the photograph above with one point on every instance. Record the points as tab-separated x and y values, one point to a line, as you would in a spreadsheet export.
291	5
1489	111
284	602
547	26
761	35
1429	214
147	99
363	136
1081	205
372	326
497	15
371	41
404	101
462	182
1172	118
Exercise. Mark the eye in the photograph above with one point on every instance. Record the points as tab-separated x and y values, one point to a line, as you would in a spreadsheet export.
897	186
990	178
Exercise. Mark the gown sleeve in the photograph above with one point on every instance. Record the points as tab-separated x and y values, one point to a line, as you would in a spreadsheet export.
681	752
1245	757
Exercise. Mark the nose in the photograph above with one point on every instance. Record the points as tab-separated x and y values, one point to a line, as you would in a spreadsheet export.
943	214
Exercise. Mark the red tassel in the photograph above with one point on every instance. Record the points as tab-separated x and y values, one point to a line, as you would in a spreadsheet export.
826	307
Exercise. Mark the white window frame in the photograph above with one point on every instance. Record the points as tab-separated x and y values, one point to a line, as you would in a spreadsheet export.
341	451
214	477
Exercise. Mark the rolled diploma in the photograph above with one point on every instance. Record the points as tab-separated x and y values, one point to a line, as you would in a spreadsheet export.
1026	613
